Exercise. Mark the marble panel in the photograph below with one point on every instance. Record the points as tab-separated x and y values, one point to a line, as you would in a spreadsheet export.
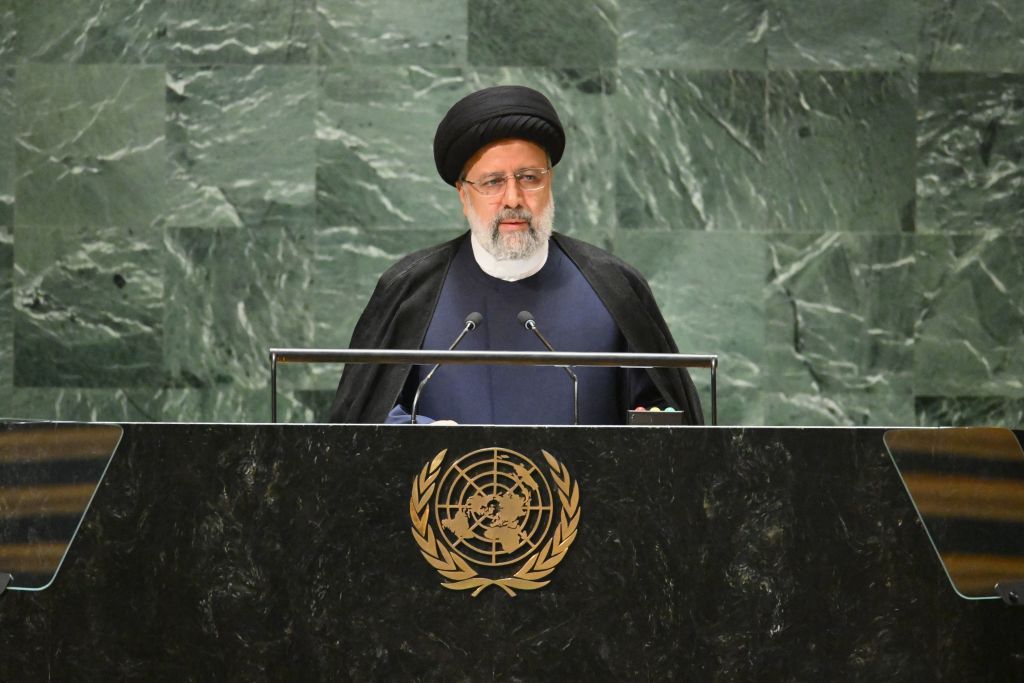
542	33
91	31
692	150
842	312
242	146
240	32
88	307
824	35
90	145
227	404
234	404
583	182
221	404
183	32
7	122
709	287
427	32
972	36
970	158
971	330
238	404
6	318
89	405
970	411
841	151
693	35
8	34
231	296
840	410
305	406
348	263
737	405
375	164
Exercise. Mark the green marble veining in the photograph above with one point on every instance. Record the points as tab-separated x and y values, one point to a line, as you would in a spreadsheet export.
348	262
969	411
972	36
840	149
241	146
7	119
784	152
375	164
111	404
152	32
841	311
853	409
827	194
229	404
827	35
707	286
8	33
88	307
972	332
90	145
695	160
169	405
425	33
693	35
6	318
239	32
543	33
91	31
970	140
231	295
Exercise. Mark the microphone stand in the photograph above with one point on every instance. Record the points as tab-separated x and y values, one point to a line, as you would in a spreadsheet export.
472	320
531	325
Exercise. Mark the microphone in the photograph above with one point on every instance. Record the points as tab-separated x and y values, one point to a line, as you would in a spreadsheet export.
526	319
472	321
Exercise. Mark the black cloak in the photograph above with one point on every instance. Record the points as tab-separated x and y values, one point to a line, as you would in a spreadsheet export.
403	303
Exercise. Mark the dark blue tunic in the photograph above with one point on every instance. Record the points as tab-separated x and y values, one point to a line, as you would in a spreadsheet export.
571	317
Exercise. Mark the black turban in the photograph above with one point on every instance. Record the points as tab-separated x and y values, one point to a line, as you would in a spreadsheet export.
504	111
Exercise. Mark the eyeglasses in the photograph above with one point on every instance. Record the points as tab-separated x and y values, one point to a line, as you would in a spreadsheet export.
527	179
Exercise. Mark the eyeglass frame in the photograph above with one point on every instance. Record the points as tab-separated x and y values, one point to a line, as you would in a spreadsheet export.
544	172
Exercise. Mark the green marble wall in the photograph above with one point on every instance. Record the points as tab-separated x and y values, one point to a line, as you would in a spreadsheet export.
830	195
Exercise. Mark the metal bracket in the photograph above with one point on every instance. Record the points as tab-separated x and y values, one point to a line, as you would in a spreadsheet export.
5	579
1012	592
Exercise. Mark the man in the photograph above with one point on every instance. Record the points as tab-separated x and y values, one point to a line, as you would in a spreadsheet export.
498	148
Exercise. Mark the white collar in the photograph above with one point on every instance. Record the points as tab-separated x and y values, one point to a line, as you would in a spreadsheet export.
509	270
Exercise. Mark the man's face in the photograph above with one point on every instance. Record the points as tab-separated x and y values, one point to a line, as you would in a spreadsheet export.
515	223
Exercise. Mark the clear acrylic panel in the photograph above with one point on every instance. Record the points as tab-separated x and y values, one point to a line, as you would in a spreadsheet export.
967	485
49	473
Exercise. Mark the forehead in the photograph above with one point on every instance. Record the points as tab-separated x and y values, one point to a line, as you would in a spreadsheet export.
504	156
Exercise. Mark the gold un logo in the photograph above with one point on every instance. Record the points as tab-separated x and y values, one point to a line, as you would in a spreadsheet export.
491	518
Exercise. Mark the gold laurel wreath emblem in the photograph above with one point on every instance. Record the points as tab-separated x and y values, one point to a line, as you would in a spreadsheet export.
461	575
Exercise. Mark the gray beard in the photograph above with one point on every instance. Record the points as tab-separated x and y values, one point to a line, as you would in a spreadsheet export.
519	244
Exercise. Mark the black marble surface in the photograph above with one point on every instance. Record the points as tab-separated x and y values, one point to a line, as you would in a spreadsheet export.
235	552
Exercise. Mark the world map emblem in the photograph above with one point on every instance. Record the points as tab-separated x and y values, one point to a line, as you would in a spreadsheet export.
493	517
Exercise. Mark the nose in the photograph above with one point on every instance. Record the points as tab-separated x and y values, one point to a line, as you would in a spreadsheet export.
513	195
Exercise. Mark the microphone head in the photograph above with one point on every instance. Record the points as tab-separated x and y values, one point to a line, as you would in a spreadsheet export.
525	317
474	319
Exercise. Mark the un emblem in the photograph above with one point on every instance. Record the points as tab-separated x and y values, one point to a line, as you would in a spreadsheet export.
490	512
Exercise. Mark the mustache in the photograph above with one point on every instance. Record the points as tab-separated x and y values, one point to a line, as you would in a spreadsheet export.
508	214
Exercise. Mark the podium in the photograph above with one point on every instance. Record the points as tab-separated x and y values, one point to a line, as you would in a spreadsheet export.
287	552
